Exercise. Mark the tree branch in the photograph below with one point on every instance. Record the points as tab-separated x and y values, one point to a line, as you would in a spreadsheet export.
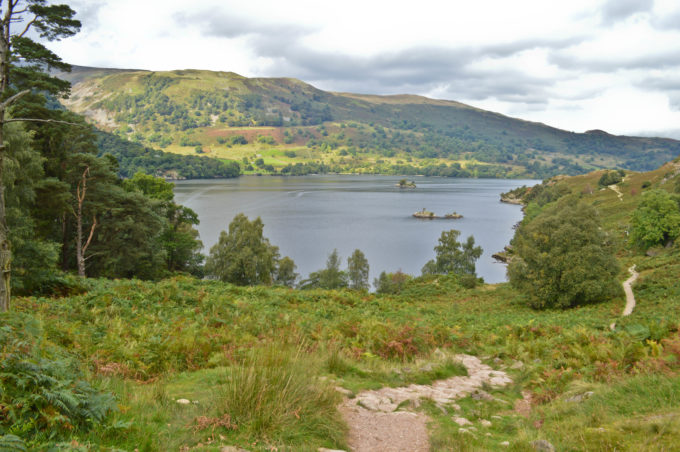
28	25
14	98
89	239
55	121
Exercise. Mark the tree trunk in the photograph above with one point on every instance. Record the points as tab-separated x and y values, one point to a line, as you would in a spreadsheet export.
81	247
80	259
5	251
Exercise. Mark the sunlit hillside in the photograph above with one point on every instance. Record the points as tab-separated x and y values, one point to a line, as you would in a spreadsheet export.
285	125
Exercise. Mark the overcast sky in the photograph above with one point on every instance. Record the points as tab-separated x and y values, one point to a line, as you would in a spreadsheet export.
576	64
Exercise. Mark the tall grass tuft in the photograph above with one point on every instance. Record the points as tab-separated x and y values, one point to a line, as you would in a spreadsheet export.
273	396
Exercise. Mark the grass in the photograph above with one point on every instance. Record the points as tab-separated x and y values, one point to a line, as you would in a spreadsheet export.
261	363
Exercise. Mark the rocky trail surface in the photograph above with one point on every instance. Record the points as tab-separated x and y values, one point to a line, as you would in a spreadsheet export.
627	288
379	420
618	191
630	298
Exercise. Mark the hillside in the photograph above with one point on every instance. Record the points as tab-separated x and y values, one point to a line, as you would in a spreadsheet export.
210	365
288	126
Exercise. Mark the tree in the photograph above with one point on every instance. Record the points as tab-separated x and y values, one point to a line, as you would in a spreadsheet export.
357	271
243	256
285	272
391	283
34	260
179	238
52	22
563	258
330	277
452	257
656	220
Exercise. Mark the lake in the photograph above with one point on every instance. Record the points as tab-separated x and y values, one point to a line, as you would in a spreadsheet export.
307	217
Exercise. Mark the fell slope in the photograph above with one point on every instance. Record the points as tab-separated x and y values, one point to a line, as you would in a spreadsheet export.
285	121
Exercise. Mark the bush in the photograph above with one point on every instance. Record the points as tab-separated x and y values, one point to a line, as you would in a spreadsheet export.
610	178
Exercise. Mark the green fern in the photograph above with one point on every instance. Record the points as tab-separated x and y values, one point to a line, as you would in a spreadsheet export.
43	395
11	443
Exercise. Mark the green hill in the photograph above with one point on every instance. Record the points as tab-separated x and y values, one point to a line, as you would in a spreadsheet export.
288	126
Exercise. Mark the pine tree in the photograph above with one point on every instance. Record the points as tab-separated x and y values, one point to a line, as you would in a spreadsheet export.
51	22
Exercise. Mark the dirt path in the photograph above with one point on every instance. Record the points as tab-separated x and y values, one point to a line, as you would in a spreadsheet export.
630	298
618	192
376	426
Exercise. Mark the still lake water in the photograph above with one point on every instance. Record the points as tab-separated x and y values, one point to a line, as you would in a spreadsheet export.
308	216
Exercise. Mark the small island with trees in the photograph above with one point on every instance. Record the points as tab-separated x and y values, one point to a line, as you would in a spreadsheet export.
427	215
404	183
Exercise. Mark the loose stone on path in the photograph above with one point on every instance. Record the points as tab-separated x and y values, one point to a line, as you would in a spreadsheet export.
376	426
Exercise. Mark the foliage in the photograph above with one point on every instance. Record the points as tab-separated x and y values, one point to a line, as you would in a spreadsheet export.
43	394
564	258
34	260
656	220
285	272
133	158
357	271
178	237
243	255
331	277
391	283
452	257
610	178
426	137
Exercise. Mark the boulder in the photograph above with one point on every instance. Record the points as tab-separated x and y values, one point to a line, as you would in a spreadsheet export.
542	446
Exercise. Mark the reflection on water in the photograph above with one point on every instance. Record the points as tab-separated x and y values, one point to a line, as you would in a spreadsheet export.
306	217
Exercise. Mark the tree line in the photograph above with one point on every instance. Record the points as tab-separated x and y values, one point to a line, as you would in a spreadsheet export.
244	256
63	207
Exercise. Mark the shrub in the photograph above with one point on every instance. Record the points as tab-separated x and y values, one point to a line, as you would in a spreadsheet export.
610	178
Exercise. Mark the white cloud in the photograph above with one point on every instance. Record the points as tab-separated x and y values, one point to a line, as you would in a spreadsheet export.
577	65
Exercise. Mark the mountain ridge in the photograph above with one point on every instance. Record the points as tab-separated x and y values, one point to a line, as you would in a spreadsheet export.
192	111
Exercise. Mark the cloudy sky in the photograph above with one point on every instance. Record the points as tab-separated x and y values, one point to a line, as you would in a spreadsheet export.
576	64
